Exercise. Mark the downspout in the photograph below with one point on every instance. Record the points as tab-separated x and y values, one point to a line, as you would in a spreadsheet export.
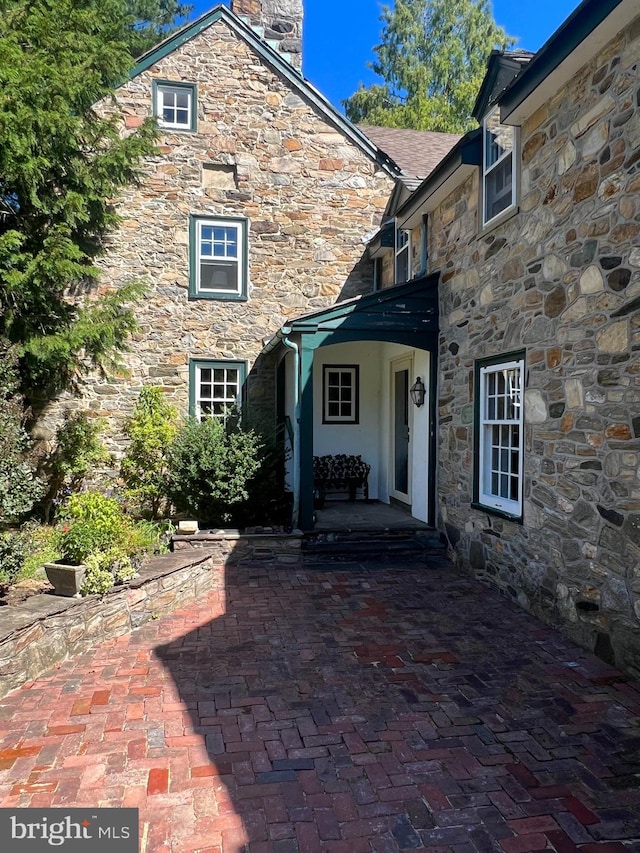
295	513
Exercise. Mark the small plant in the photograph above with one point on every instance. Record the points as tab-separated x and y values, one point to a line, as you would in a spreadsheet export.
24	551
78	450
151	431
93	523
105	569
210	465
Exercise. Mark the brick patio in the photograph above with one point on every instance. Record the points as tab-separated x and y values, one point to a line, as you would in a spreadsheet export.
316	709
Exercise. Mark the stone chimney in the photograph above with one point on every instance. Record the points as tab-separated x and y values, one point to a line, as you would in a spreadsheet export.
278	22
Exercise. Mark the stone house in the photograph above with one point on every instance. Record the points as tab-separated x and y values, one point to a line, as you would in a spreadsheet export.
462	312
254	210
532	224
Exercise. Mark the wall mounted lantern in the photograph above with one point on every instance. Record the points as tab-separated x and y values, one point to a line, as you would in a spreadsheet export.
417	392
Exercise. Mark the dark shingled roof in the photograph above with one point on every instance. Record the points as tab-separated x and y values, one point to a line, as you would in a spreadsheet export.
417	152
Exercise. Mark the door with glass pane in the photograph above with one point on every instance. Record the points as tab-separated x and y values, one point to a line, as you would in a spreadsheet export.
400	486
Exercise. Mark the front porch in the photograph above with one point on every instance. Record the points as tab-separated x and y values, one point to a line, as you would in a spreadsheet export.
345	377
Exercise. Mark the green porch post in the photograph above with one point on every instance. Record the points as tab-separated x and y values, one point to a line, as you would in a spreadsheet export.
306	435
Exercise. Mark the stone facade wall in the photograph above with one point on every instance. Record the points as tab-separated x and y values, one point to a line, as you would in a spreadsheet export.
260	151
561	278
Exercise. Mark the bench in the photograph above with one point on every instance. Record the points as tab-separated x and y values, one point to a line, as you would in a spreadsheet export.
338	473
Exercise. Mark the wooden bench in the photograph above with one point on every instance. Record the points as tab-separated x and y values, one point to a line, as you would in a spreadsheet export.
340	473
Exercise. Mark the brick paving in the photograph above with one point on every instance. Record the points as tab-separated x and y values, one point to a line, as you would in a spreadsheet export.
377	709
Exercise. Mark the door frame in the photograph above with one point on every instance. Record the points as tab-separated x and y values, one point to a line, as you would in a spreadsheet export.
397	365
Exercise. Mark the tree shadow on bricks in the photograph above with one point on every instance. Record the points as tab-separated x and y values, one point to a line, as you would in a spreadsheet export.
350	711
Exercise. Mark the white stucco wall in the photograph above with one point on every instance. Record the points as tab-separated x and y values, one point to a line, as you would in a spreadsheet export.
363	438
371	437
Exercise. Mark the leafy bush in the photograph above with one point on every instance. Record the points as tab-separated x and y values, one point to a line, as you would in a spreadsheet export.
210	466
24	551
106	568
94	523
98	533
151	431
78	450
20	487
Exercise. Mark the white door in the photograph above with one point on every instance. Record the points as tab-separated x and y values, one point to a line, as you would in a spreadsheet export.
400	468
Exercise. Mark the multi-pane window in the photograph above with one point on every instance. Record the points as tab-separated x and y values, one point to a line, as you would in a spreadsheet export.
500	417
402	256
340	394
175	105
216	387
218	258
499	185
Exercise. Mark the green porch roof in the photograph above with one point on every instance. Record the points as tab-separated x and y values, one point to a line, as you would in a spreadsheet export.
406	313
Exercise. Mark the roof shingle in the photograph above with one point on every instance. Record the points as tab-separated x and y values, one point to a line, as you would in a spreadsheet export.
417	152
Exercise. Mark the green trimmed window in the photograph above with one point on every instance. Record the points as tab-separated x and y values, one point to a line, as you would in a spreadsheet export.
174	104
340	392
215	387
499	422
218	258
499	168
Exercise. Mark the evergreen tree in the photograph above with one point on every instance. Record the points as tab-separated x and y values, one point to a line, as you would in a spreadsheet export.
432	59
61	164
152	21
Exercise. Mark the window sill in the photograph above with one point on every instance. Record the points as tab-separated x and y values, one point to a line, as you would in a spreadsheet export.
218	297
500	219
491	510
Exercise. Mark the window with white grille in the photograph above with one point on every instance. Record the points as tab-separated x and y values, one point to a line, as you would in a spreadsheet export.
500	421
216	387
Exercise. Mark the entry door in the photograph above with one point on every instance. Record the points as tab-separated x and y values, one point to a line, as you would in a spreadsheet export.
400	456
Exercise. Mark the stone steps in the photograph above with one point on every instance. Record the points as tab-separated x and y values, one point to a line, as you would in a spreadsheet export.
378	546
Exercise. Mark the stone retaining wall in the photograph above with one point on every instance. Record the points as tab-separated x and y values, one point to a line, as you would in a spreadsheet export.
47	629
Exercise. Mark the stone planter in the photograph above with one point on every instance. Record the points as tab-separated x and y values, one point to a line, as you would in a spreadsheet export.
65	579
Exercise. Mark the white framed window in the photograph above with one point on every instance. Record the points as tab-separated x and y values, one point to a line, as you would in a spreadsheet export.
402	256
215	387
218	256
340	392
174	104
499	168
499	430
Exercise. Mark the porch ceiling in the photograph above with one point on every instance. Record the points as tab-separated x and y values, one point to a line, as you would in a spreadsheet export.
407	313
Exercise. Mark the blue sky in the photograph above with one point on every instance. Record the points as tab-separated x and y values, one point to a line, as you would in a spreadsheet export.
339	36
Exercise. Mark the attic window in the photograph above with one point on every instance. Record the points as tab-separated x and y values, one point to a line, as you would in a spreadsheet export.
174	104
499	184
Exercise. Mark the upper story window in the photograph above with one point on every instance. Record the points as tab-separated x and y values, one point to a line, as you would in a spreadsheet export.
403	256
499	417
218	256
174	105
499	172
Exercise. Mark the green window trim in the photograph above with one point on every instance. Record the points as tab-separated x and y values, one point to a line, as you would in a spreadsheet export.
499	438
176	86
199	381
204	232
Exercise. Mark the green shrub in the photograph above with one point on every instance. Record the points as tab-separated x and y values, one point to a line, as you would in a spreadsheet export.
210	465
106	568
78	450
24	551
151	431
93	523
20	487
13	553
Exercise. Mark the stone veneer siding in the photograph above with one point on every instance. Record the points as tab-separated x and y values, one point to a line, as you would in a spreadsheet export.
261	152
561	278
